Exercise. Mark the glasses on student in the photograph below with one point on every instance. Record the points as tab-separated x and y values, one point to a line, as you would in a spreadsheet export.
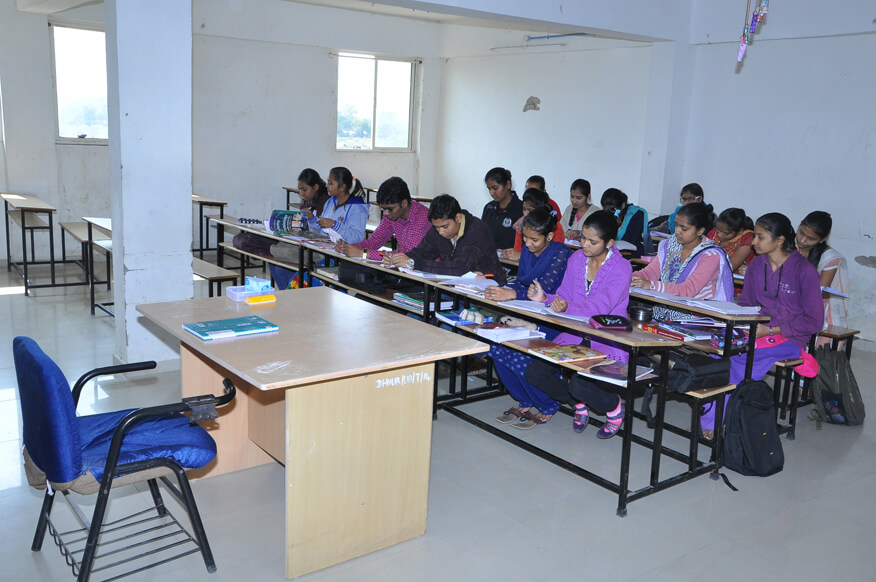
688	199
389	209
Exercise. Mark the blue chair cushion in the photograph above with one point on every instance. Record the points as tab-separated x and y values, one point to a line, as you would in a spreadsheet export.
170	437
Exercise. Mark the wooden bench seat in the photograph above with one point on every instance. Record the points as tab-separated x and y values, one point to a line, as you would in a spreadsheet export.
31	220
838	334
213	274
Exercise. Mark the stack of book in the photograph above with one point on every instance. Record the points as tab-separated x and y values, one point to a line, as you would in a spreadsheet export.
329	272
571	353
680	331
230	328
415	299
500	333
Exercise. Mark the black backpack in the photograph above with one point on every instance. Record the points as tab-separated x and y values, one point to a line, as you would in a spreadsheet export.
835	394
751	441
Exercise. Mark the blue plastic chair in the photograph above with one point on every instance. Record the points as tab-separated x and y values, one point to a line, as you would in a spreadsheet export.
93	454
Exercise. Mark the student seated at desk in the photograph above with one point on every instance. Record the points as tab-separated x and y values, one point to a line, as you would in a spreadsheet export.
734	231
832	270
346	212
688	264
690	193
404	219
504	210
579	208
313	192
533	198
785	286
543	259
596	282
456	244
537	182
633	220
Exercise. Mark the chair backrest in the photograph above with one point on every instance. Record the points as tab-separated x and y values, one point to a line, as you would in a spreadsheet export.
51	429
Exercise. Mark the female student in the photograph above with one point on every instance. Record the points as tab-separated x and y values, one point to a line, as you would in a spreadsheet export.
633	220
313	192
832	270
346	212
690	193
688	264
580	207
504	210
596	282
533	198
785	286
735	233
544	259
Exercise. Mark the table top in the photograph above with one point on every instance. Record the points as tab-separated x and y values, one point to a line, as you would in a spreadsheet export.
728	317
105	224
198	199
324	335
26	202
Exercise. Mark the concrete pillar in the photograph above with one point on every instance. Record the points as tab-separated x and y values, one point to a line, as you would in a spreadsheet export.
149	86
666	129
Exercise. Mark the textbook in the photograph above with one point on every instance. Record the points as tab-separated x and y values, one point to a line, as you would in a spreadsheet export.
658	330
537	307
500	333
229	328
690	332
329	272
415	299
454	319
566	353
613	372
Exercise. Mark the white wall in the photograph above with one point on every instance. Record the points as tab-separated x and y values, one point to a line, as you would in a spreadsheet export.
591	123
73	178
794	131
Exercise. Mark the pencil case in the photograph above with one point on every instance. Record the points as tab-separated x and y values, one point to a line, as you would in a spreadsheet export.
611	322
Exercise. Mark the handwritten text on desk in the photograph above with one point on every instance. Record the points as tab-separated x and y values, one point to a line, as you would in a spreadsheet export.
414	378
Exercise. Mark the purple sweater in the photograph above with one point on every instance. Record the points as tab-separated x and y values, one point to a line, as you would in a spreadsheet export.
791	296
609	294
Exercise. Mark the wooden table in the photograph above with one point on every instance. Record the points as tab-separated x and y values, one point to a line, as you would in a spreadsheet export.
342	395
25	210
203	201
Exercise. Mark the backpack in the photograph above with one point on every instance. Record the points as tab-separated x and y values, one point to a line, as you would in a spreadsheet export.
835	394
751	440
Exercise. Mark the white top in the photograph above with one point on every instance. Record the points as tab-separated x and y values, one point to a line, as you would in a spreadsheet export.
835	307
577	223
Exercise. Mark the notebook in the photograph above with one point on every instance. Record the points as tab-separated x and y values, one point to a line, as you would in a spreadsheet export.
230	328
572	353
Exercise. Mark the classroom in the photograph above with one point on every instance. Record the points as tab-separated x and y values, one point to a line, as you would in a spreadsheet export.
234	98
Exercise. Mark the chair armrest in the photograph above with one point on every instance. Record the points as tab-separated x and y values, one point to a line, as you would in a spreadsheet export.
107	371
136	416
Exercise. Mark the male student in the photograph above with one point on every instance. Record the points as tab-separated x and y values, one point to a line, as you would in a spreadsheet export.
403	218
457	243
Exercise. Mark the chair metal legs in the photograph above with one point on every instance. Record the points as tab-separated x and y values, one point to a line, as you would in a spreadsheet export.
43	521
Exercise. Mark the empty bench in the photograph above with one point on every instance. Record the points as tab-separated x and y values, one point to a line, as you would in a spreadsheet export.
213	274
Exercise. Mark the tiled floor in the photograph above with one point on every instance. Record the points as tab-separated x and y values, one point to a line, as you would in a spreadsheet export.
495	512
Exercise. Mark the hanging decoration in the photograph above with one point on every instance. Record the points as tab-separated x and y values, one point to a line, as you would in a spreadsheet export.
749	27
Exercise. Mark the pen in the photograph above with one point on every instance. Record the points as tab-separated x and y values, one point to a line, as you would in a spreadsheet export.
489	276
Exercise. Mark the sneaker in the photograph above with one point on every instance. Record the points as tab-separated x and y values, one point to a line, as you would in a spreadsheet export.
581	418
529	420
612	424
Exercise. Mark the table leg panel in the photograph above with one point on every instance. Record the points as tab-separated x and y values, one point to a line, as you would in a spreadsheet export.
357	465
235	450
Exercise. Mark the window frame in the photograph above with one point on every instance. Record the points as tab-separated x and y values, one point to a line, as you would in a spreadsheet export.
80	25
412	109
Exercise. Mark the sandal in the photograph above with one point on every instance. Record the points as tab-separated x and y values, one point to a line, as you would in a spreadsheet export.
529	420
511	415
612	424
581	418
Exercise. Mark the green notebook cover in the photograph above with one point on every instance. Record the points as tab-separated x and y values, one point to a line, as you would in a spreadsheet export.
229	328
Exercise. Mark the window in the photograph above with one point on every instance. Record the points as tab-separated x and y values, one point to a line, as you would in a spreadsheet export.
374	103
80	83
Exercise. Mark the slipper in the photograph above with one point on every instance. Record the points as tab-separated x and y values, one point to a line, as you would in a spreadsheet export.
529	420
510	415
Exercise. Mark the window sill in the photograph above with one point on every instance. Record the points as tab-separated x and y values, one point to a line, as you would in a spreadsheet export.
81	142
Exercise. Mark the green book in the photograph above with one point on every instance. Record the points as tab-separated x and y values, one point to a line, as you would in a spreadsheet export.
230	328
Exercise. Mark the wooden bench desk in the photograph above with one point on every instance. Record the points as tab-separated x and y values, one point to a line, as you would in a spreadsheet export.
212	274
30	213
203	228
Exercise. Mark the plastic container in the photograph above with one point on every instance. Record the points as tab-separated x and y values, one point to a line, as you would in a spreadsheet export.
239	292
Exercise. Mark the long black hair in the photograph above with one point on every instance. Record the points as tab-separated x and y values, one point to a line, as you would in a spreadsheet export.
311	177
736	220
344	176
582	186
604	223
820	222
777	224
698	214
542	220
